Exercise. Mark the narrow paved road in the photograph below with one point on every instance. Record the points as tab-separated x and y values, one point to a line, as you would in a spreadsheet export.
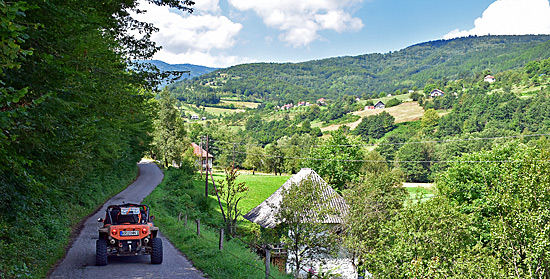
80	259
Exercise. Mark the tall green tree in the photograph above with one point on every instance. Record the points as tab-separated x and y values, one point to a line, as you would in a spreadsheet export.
372	203
338	159
375	126
74	118
301	213
169	140
231	193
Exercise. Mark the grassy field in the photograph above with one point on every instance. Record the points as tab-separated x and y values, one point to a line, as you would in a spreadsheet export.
419	194
216	111
241	104
261	186
402	98
405	112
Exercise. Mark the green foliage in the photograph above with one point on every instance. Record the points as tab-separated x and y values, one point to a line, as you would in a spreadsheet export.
169	141
429	121
489	218
414	161
393	102
338	159
301	212
411	67
74	120
375	126
176	193
371	204
231	193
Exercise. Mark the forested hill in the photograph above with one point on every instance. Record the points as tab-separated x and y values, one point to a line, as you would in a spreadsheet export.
374	73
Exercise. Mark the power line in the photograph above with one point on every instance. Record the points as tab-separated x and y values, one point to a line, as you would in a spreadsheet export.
391	143
376	161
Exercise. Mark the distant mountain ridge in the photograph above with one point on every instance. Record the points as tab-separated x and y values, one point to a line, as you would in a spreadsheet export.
195	70
374	73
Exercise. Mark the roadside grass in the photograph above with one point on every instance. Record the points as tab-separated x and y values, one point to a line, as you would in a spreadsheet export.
32	245
185	193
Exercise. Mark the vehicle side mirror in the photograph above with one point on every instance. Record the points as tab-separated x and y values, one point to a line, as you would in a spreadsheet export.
99	220
152	217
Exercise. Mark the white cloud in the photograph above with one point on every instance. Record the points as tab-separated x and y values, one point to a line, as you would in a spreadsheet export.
510	17
192	38
302	20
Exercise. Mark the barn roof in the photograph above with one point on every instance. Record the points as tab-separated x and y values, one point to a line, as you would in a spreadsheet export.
264	213
199	152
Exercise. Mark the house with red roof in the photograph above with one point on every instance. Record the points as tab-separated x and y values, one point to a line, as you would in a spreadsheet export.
489	79
205	157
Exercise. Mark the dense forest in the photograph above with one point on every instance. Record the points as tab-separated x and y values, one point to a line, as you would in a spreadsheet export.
369	74
74	119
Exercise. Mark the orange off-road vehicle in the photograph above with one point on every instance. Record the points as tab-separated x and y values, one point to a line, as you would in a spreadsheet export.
127	231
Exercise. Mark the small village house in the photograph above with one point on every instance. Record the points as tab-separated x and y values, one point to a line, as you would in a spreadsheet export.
489	79
321	102
204	159
264	215
436	93
379	105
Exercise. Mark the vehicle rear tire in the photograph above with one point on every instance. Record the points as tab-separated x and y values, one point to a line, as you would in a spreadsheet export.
156	253
101	252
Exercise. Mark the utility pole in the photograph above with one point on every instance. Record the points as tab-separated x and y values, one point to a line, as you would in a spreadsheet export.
233	165
202	160
207	167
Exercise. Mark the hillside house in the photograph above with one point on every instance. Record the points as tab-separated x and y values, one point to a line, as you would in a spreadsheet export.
321	102
489	79
379	105
436	93
287	106
264	215
194	117
203	158
369	107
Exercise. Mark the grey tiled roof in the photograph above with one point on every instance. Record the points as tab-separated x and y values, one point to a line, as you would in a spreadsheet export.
264	213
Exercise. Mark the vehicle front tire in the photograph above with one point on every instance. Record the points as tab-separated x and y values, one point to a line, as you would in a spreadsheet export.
101	252
156	253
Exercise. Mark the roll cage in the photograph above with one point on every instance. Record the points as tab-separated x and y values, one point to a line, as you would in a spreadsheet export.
128	213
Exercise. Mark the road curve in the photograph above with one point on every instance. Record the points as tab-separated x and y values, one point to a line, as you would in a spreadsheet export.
79	262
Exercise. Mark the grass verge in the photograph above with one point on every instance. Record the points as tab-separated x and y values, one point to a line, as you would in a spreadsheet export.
181	192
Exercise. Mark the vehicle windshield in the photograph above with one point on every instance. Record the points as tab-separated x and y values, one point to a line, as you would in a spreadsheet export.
127	214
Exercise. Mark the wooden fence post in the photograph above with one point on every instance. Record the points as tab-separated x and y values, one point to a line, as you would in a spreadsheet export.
221	239
179	217
267	260
198	226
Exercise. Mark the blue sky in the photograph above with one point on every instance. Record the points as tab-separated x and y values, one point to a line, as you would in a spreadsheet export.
222	33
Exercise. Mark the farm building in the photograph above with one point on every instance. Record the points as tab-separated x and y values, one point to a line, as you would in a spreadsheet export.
205	157
436	93
264	215
489	79
379	105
